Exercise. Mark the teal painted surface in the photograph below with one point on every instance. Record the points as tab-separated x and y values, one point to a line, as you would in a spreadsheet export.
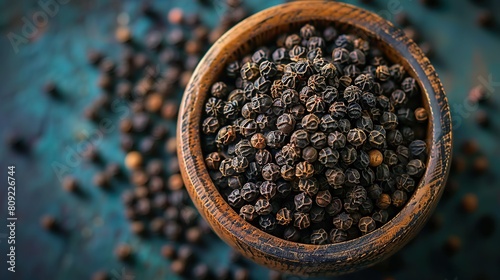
464	56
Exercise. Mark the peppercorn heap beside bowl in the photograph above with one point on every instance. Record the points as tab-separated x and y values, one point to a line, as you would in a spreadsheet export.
317	140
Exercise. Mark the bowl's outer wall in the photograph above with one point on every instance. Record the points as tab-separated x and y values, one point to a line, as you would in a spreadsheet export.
278	254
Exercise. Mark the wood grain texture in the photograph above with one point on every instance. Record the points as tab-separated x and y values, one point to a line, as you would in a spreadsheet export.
276	253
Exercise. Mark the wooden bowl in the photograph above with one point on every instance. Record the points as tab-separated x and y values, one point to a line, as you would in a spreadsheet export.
271	251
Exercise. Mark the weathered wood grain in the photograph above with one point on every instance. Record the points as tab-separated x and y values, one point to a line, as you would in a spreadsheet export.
263	248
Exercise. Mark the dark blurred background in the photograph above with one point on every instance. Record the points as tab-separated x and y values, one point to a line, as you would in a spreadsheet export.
67	127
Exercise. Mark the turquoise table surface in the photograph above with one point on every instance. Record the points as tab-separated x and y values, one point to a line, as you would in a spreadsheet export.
464	55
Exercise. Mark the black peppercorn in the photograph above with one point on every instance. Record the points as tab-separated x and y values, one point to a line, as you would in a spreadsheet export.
336	140
245	149
267	223
267	69
301	220
261	103
343	221
236	182
292	40
399	198
300	138
287	172
318	140
270	172
280	55
390	157
283	189
239	164
263	207
248	213
354	110
335	177
356	137
319	237
291	234
317	214
337	235
415	167
268	190
303	202
249	71
284	217
380	216
249	192
417	147
366	225
383	201
405	183
289	79
235	199
338	110
263	157
310	122
213	161
297	53
340	55
410	86
285	123
275	139
328	157
226	135
260	56
214	107
310	154
304	170
309	186
328	123
219	90
315	104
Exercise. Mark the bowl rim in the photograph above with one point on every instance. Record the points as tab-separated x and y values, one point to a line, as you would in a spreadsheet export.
229	225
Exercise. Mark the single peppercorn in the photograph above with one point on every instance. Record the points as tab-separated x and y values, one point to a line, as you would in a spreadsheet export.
337	236
285	123
268	190
263	157
263	207
310	154
300	138
383	201
303	202
319	237
415	167
343	221
399	198
366	225
249	192
235	199
213	161
309	186
284	216
304	170
301	220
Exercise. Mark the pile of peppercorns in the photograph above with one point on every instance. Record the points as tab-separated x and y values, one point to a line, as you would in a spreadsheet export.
317	138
